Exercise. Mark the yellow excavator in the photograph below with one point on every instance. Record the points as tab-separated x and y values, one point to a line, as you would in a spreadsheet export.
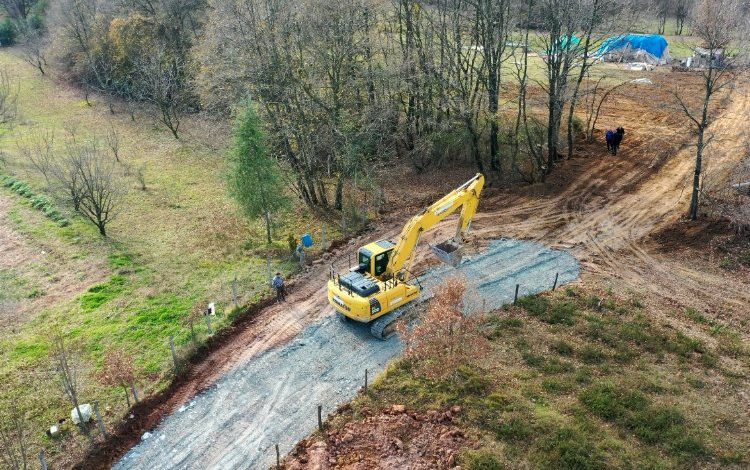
381	283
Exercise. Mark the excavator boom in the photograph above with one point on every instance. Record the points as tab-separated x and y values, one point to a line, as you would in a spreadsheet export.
466	197
379	288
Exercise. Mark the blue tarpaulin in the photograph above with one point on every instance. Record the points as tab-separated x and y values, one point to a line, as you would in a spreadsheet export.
652	44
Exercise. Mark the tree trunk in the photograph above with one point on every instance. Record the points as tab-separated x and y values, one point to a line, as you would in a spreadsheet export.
267	219
694	200
339	198
127	395
493	91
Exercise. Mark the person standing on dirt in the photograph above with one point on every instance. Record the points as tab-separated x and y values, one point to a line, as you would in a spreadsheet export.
278	284
609	137
617	140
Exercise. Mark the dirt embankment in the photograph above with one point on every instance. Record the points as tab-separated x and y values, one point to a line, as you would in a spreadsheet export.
378	441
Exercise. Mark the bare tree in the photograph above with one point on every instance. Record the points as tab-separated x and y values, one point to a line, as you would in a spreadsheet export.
160	79
113	142
562	19
14	438
68	372
118	371
89	181
9	89
661	9
682	9
38	150
33	45
493	20
717	23
100	184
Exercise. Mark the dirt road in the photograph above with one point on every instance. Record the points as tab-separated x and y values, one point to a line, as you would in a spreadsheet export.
271	398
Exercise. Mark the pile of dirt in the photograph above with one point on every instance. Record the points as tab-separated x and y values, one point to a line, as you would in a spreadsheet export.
396	438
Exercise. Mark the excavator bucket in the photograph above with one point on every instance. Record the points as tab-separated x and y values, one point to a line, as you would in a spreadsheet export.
449	252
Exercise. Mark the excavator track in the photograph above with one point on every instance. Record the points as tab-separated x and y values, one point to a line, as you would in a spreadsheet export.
384	327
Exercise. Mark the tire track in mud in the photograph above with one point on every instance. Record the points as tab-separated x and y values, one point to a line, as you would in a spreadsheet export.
271	398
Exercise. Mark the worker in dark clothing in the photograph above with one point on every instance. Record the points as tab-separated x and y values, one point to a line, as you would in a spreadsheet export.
617	140
609	137
278	284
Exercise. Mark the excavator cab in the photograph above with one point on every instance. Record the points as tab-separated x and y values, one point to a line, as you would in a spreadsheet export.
373	258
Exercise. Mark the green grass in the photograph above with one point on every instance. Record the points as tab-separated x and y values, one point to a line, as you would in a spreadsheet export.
179	242
608	387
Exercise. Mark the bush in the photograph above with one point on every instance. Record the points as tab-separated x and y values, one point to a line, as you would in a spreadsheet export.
569	448
7	33
650	423
592	355
562	348
483	461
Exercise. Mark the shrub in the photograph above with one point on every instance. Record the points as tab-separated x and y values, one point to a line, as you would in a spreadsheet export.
482	461
514	428
7	32
569	448
534	304
649	423
592	355
562	348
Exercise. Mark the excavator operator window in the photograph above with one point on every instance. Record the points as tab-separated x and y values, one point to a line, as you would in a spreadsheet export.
381	262
364	261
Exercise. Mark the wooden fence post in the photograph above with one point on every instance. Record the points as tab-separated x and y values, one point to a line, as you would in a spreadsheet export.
208	324
320	418
42	460
174	353
99	419
234	291
135	392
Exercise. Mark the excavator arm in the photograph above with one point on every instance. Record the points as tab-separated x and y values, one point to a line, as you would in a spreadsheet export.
465	197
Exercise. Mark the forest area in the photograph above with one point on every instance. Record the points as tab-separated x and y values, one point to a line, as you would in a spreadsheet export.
168	155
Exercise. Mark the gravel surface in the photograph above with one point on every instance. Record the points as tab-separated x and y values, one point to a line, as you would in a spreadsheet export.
272	398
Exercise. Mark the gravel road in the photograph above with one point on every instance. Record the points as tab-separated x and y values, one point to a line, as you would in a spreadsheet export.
272	398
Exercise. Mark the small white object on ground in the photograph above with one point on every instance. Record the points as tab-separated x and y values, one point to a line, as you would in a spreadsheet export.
146	436
643	81
54	430
85	414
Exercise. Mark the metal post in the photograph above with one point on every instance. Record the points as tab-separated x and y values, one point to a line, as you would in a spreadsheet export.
278	457
174	353
554	286
365	380
99	419
42	460
208	323
320	418
234	291
515	297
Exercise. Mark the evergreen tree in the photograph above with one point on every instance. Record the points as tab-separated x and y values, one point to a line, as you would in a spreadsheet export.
255	178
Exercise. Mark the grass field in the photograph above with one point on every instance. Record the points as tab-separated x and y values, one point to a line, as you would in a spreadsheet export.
179	242
581	379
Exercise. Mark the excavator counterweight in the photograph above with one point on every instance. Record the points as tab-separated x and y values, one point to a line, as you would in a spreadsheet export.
380	286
